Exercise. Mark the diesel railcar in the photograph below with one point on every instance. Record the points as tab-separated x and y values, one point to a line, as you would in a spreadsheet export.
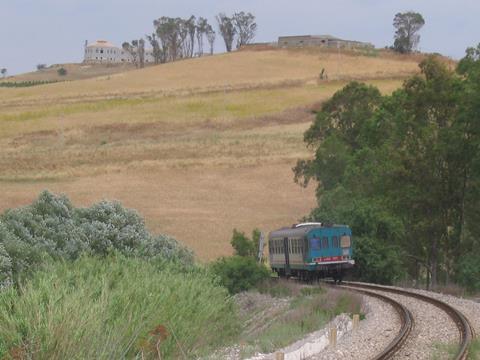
311	251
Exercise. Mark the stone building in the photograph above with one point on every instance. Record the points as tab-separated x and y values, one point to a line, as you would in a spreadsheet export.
104	52
321	41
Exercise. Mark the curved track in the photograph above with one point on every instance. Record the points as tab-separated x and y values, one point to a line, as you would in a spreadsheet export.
464	327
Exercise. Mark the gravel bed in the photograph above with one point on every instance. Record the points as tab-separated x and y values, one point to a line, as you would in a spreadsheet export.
375	332
434	332
469	308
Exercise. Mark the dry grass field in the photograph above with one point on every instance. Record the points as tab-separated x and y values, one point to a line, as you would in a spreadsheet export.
198	147
74	72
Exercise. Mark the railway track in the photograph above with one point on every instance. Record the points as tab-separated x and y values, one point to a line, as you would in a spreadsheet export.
466	331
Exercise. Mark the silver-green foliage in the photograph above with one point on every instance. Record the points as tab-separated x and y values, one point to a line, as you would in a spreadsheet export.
5	268
52	227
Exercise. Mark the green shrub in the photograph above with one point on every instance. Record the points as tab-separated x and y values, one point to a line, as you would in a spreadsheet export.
62	71
239	273
6	278
114	308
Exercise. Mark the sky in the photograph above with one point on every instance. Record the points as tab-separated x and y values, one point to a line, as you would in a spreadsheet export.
54	31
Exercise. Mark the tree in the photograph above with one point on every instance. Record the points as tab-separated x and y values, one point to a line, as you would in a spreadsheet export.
4	72
226	26
172	34
211	38
245	26
407	26
134	50
141	52
404	170
41	67
202	27
192	30
157	51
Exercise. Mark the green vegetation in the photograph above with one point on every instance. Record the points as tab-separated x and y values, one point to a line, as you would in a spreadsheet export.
113	308
238	273
51	228
404	171
88	283
62	72
407	26
20	84
245	246
474	351
242	271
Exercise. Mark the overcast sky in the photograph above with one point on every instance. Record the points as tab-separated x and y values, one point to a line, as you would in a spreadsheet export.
54	31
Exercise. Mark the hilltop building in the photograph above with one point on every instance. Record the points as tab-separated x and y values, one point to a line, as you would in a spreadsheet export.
104	52
321	41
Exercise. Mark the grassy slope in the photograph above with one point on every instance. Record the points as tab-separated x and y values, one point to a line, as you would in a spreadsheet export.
74	72
198	146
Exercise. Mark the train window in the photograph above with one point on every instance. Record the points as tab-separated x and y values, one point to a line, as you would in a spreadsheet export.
335	242
315	244
325	242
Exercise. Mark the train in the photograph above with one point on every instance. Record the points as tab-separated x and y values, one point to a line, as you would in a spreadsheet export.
310	251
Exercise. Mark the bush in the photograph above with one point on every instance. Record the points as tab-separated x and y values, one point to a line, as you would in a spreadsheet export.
62	71
52	227
114	308
468	272
239	273
243	245
6	278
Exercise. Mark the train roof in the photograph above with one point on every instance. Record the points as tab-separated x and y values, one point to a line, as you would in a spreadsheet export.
301	229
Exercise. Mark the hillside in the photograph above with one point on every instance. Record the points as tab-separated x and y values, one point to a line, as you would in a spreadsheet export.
198	146
74	72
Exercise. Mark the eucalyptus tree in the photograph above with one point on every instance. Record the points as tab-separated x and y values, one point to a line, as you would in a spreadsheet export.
245	26
202	27
407	26
211	35
227	29
132	49
192	29
156	49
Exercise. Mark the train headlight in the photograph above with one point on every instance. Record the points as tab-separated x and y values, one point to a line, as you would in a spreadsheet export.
345	241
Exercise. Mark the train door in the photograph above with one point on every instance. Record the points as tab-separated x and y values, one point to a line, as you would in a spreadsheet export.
287	256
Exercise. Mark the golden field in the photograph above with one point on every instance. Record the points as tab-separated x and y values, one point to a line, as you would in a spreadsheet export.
198	147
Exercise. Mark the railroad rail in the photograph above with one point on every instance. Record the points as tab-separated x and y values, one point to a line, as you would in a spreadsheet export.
406	320
464	327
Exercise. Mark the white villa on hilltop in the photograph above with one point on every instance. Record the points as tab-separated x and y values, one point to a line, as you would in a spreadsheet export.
104	52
